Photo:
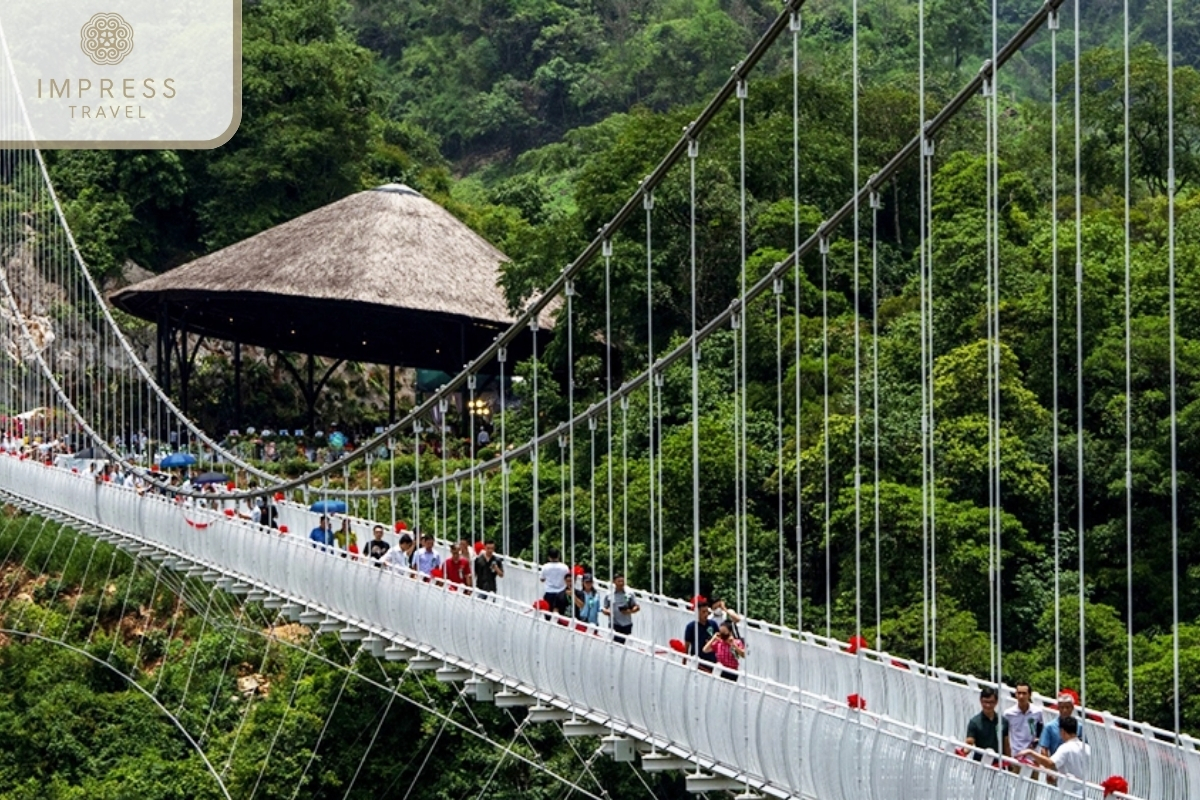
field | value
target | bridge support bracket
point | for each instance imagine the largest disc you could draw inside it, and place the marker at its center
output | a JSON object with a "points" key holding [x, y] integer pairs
{"points": [[573, 728], [451, 674], [484, 690], [699, 783], [541, 713], [513, 700], [619, 748], [664, 762]]}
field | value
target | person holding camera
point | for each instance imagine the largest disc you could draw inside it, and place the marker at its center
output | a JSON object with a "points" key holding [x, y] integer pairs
{"points": [[488, 567], [620, 606], [727, 649]]}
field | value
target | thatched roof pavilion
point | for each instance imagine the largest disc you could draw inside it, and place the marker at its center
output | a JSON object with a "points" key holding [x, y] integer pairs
{"points": [[384, 276]]}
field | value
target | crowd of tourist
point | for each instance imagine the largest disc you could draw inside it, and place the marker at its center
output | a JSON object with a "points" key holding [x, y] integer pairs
{"points": [[1057, 747]]}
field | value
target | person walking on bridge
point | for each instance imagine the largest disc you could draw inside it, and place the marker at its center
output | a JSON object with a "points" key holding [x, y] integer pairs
{"points": [[620, 606], [554, 575], [696, 636], [322, 535], [488, 567], [426, 561]]}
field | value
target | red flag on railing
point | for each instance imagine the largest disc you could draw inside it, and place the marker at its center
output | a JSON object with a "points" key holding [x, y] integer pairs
{"points": [[283, 529], [541, 605], [678, 646], [856, 702], [279, 497], [229, 512], [400, 525], [1115, 783], [479, 547], [855, 643]]}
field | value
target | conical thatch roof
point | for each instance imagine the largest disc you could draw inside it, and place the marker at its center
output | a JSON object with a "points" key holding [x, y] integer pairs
{"points": [[384, 276]]}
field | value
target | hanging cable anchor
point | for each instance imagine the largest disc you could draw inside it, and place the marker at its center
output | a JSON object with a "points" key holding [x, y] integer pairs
{"points": [[648, 200], [502, 355], [794, 22], [743, 90], [569, 288], [1052, 20], [693, 147], [606, 248]]}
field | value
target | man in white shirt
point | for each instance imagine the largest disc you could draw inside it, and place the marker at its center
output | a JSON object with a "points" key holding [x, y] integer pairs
{"points": [[1071, 756], [1023, 723], [554, 574]]}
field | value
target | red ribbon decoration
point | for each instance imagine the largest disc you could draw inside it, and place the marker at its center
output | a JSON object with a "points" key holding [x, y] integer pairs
{"points": [[229, 512], [283, 528], [400, 525], [856, 702], [541, 605], [678, 646], [278, 497], [479, 547]]}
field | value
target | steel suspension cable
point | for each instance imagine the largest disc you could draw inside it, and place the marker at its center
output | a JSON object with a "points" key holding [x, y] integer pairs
{"points": [[648, 205], [1079, 466], [778, 290], [693, 154], [825, 427], [1053, 23], [1171, 337], [794, 25], [1128, 372], [740, 329], [876, 204], [607, 250]]}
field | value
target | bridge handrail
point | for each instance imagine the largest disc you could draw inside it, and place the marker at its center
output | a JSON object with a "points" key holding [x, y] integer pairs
{"points": [[785, 633], [290, 567]]}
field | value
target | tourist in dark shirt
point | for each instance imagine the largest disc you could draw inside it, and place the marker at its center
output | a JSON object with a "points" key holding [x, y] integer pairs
{"points": [[987, 728], [708, 629], [488, 567], [377, 548]]}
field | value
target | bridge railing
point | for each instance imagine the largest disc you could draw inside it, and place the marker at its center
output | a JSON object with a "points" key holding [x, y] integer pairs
{"points": [[930, 698], [771, 735]]}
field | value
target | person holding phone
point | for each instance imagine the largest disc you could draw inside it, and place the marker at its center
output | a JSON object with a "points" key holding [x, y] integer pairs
{"points": [[727, 649]]}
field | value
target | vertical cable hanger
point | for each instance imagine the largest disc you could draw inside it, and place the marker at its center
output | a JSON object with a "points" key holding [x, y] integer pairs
{"points": [[1079, 468], [777, 290], [656, 378], [739, 347], [502, 358], [824, 247], [471, 408], [536, 457], [1128, 373], [794, 26], [607, 250], [876, 204], [693, 154], [1052, 21], [1172, 342]]}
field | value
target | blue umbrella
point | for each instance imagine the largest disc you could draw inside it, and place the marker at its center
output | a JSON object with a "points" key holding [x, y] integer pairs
{"points": [[328, 507], [177, 460]]}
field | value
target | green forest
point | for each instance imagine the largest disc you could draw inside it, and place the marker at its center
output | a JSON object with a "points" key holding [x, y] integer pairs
{"points": [[532, 121]]}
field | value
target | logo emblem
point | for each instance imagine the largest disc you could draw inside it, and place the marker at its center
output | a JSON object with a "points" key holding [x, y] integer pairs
{"points": [[106, 39]]}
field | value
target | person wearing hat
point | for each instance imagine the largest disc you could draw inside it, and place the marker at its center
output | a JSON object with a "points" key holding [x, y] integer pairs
{"points": [[1070, 756], [699, 631], [1051, 738], [587, 601]]}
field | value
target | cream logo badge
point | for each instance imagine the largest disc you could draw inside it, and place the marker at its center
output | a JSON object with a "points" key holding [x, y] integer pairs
{"points": [[106, 39], [120, 73]]}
